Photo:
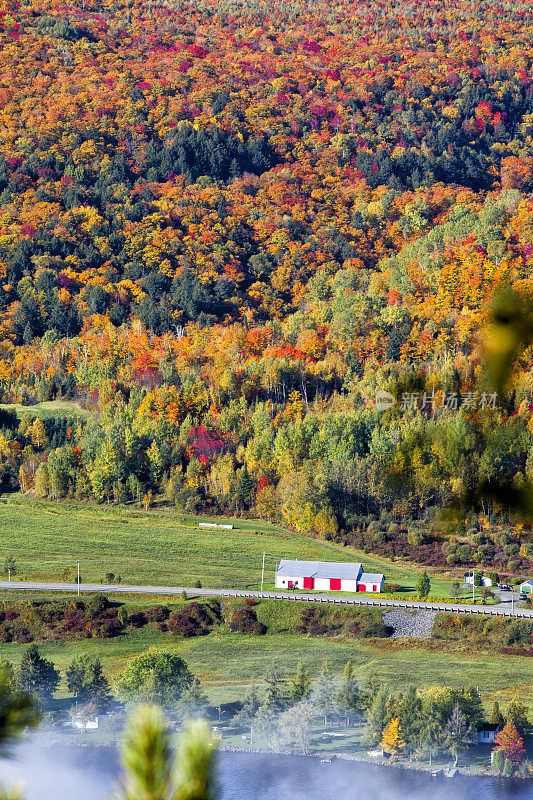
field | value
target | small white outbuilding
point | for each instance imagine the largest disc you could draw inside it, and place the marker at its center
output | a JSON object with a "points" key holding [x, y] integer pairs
{"points": [[371, 582], [84, 723]]}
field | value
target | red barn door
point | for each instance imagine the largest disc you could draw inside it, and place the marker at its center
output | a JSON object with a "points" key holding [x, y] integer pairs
{"points": [[335, 583], [309, 583]]}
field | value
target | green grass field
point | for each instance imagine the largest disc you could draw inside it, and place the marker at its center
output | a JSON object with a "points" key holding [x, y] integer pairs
{"points": [[227, 663], [48, 408], [160, 546]]}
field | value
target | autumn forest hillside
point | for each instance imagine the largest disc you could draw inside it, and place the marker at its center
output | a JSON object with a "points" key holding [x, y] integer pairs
{"points": [[224, 226]]}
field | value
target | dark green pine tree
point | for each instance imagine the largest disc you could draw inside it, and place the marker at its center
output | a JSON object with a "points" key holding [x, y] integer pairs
{"points": [[27, 336], [87, 682], [245, 487], [274, 698], [250, 707], [377, 717], [349, 699], [496, 716], [411, 717], [97, 686], [37, 675], [189, 295], [301, 684], [75, 673]]}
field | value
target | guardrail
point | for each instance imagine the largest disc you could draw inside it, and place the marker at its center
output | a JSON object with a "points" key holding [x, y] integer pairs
{"points": [[449, 608], [444, 607], [343, 600]]}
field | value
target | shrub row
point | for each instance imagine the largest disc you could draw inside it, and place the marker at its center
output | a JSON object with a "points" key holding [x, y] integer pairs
{"points": [[98, 618]]}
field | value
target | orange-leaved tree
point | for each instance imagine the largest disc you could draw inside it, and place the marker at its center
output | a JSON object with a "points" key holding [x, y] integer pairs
{"points": [[512, 744]]}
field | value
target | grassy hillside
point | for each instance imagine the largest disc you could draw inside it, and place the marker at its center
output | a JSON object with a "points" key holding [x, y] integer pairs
{"points": [[49, 408], [160, 547], [227, 662]]}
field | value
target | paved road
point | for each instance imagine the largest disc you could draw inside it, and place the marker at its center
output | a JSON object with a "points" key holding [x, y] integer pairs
{"points": [[504, 608]]}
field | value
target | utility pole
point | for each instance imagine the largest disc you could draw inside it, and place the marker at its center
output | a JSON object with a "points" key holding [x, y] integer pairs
{"points": [[473, 587], [263, 572], [512, 603], [78, 577], [9, 574]]}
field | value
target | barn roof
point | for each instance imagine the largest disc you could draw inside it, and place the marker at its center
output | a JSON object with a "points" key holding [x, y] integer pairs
{"points": [[371, 577], [318, 569]]}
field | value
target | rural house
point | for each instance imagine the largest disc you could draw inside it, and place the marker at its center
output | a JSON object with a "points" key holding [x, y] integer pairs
{"points": [[486, 733], [469, 579], [527, 587], [326, 576]]}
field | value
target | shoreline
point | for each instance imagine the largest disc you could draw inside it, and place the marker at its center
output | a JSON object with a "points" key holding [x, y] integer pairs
{"points": [[402, 765], [326, 757]]}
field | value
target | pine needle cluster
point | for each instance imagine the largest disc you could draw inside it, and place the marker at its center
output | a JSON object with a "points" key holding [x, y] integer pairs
{"points": [[151, 772]]}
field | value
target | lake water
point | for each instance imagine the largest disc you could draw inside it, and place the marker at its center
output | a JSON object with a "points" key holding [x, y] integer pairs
{"points": [[91, 773]]}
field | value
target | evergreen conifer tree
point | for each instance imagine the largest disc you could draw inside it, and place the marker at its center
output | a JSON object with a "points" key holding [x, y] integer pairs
{"points": [[348, 700], [245, 487], [324, 692], [250, 707], [377, 716], [97, 686], [423, 587], [301, 684], [37, 675], [496, 716]]}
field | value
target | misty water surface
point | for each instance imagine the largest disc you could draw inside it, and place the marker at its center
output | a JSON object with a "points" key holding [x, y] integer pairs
{"points": [[91, 773]]}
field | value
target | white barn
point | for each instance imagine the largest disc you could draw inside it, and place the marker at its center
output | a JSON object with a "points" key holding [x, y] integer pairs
{"points": [[326, 576]]}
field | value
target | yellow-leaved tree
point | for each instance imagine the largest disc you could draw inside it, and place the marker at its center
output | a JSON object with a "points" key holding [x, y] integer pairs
{"points": [[392, 741]]}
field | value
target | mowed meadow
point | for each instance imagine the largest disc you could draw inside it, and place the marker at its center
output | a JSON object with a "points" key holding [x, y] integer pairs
{"points": [[147, 547], [164, 547]]}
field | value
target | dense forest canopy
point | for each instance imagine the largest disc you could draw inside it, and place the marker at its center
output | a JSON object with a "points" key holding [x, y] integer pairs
{"points": [[225, 226]]}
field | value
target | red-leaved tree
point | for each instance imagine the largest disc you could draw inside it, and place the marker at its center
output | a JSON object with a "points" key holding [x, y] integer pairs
{"points": [[512, 744]]}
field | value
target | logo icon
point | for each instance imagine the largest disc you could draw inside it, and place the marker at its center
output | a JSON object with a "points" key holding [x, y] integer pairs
{"points": [[384, 400]]}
